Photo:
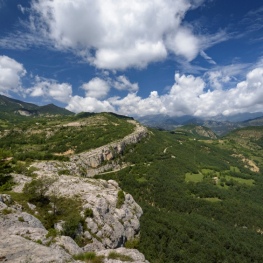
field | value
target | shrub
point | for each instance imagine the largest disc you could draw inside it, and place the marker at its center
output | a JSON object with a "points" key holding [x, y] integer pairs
{"points": [[21, 219], [88, 212], [64, 172], [6, 211], [115, 255], [51, 233], [89, 257], [133, 243], [37, 188], [121, 199], [72, 225]]}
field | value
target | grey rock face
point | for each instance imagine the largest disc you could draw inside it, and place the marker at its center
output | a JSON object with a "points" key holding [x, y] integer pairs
{"points": [[93, 159], [6, 199], [22, 236], [134, 254], [91, 163], [16, 249], [68, 244], [109, 225]]}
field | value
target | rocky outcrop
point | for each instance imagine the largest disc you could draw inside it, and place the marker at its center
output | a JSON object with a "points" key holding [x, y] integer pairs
{"points": [[106, 228], [23, 237], [91, 160], [204, 132], [110, 225], [96, 161], [134, 254]]}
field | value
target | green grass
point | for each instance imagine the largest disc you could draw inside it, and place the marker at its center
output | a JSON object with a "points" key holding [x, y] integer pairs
{"points": [[90, 257], [234, 169], [118, 256], [225, 179], [249, 182], [142, 180], [195, 178], [209, 172]]}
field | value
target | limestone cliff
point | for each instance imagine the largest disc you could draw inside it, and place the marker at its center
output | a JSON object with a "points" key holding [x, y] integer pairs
{"points": [[98, 160], [24, 238], [91, 160]]}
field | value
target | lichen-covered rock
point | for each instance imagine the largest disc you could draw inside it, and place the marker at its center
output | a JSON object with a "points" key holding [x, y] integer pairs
{"points": [[16, 222], [6, 199], [23, 237], [68, 244], [108, 225], [17, 249]]}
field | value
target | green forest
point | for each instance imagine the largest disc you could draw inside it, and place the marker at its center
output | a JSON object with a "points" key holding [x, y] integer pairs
{"points": [[201, 198], [201, 202]]}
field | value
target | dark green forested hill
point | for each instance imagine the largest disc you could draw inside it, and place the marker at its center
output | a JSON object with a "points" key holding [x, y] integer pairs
{"points": [[202, 199], [15, 111]]}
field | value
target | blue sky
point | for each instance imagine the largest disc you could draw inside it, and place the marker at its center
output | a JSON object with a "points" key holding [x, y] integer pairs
{"points": [[175, 57]]}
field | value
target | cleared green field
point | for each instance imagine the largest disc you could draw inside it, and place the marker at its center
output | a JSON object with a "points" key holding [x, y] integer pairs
{"points": [[234, 169], [249, 182], [221, 181], [190, 177]]}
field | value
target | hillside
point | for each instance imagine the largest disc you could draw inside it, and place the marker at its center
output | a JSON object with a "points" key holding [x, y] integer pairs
{"points": [[48, 207], [195, 131], [58, 138], [15, 110], [201, 196]]}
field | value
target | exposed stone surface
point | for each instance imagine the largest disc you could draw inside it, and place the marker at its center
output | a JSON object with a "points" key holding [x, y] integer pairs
{"points": [[134, 254], [92, 162], [69, 245], [16, 249], [23, 239], [22, 235], [205, 132], [20, 180], [112, 225], [93, 159]]}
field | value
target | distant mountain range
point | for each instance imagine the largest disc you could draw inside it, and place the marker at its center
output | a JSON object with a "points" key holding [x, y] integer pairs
{"points": [[9, 106], [220, 125]]}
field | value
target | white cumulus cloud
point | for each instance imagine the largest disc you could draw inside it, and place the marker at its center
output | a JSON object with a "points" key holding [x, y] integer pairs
{"points": [[122, 83], [50, 89], [96, 88], [123, 34], [11, 73], [189, 95], [78, 104]]}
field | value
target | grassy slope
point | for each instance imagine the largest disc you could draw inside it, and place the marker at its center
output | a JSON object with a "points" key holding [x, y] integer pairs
{"points": [[45, 138]]}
